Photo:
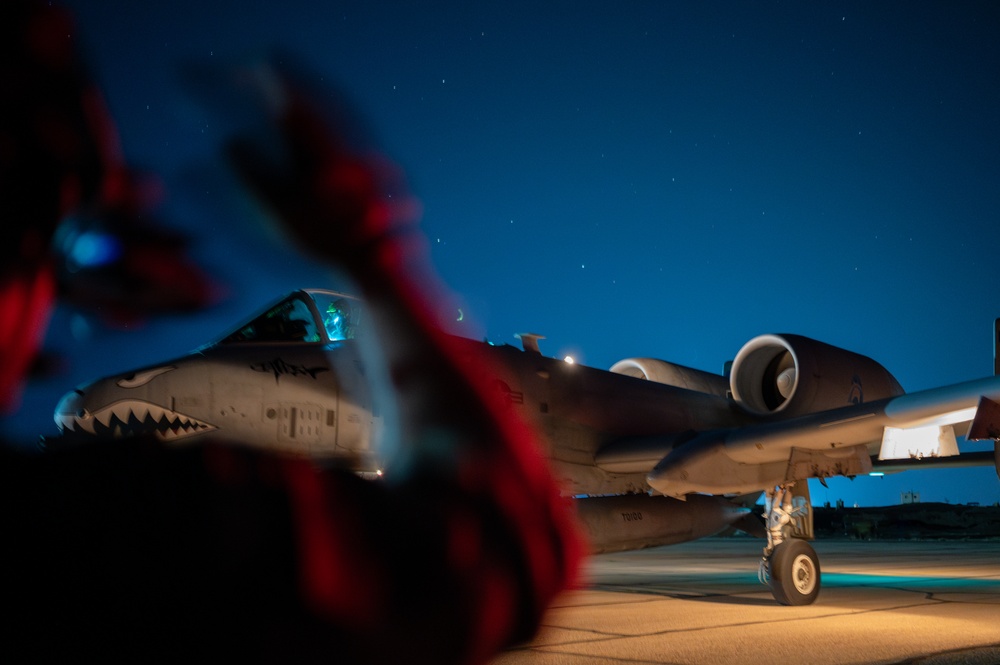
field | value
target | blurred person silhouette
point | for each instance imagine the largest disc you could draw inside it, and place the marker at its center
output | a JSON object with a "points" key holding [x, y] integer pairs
{"points": [[133, 549], [75, 216], [457, 454], [56, 153]]}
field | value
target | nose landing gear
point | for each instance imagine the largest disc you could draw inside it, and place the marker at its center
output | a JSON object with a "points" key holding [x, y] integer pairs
{"points": [[789, 566]]}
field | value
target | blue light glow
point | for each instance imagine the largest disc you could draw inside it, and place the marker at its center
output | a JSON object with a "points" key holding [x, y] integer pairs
{"points": [[92, 249]]}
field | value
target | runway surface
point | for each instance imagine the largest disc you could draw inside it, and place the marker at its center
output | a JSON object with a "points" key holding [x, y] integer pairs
{"points": [[926, 603]]}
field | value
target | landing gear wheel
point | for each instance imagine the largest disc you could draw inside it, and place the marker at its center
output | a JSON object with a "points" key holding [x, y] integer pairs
{"points": [[794, 573]]}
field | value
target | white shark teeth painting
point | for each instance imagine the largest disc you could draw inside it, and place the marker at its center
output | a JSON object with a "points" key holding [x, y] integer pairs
{"points": [[127, 418]]}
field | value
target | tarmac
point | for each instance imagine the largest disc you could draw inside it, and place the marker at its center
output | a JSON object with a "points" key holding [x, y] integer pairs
{"points": [[913, 602]]}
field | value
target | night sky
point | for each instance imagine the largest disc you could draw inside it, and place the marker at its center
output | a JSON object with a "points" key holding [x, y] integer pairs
{"points": [[626, 178]]}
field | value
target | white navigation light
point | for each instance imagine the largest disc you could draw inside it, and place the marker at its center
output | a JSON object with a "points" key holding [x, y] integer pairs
{"points": [[918, 442]]}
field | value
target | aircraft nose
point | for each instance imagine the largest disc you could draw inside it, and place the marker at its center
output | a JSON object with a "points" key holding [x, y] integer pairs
{"points": [[71, 415]]}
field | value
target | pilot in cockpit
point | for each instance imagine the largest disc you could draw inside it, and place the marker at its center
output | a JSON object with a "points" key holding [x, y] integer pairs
{"points": [[339, 320]]}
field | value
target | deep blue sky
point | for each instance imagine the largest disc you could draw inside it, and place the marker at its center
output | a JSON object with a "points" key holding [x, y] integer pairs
{"points": [[626, 178]]}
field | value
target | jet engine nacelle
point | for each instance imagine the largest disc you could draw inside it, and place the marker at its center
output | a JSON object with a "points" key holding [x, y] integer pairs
{"points": [[661, 371], [792, 375]]}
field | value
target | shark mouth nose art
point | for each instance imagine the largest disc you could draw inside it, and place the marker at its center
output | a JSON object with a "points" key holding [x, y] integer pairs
{"points": [[132, 418]]}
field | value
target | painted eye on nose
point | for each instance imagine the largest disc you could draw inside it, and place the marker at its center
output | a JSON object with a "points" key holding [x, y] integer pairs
{"points": [[137, 379]]}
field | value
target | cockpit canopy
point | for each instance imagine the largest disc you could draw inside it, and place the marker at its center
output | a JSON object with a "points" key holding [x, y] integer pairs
{"points": [[310, 316]]}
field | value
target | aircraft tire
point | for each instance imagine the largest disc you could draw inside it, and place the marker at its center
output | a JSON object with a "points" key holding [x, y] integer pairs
{"points": [[794, 573]]}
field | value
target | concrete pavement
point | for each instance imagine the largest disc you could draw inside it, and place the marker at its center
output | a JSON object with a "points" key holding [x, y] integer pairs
{"points": [[927, 603]]}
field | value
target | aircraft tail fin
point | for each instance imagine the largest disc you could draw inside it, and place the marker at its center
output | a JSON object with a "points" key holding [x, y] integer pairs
{"points": [[996, 346], [996, 372]]}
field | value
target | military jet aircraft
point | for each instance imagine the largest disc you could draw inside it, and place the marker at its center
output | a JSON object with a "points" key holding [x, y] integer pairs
{"points": [[656, 453]]}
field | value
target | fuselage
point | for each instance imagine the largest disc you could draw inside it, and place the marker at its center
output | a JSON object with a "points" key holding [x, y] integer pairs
{"points": [[579, 410], [294, 380], [314, 399]]}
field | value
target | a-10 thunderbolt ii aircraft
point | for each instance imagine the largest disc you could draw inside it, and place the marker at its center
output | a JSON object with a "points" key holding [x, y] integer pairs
{"points": [[655, 453]]}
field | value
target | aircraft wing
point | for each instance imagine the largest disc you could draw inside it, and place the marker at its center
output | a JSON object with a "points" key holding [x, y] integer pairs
{"points": [[827, 443]]}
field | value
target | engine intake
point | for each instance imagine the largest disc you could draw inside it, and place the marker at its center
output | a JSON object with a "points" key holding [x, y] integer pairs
{"points": [[672, 374], [793, 375]]}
